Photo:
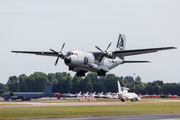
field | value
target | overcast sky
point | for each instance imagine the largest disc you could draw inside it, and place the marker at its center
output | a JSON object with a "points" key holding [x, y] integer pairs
{"points": [[38, 25]]}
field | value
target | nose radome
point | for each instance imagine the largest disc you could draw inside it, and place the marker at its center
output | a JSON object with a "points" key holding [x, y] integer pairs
{"points": [[67, 60]]}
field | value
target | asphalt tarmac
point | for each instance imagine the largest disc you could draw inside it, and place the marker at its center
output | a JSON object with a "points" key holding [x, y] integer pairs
{"points": [[172, 116], [54, 102]]}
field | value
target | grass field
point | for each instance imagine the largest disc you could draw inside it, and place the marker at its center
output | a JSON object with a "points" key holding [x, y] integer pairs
{"points": [[131, 108]]}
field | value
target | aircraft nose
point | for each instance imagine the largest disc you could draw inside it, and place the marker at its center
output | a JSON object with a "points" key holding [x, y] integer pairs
{"points": [[67, 60]]}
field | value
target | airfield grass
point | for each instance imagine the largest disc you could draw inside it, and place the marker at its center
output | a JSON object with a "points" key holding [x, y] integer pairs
{"points": [[130, 108], [13, 104]]}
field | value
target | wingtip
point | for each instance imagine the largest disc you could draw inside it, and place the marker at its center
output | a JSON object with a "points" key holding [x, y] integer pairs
{"points": [[136, 62], [13, 51]]}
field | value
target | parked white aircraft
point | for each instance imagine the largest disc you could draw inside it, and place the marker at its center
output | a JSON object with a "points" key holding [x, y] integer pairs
{"points": [[93, 94], [97, 62], [112, 96], [78, 94], [86, 94], [100, 95], [70, 95], [115, 96], [124, 95], [107, 95]]}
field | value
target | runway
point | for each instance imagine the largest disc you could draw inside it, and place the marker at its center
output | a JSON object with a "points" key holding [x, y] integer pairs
{"points": [[54, 102], [172, 116], [35, 104]]}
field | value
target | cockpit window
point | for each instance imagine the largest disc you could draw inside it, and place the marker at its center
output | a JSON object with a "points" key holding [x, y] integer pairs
{"points": [[70, 53]]}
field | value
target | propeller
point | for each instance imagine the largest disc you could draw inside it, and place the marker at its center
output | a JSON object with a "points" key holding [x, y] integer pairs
{"points": [[105, 53], [60, 54]]}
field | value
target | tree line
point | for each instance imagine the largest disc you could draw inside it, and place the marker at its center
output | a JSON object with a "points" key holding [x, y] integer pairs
{"points": [[65, 83]]}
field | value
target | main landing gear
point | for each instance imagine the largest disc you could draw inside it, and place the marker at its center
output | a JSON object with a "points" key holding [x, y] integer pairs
{"points": [[101, 73], [80, 73], [133, 100]]}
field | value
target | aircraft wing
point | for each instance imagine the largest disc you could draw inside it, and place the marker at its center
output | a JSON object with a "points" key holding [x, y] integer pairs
{"points": [[37, 53], [139, 51], [99, 54], [132, 52]]}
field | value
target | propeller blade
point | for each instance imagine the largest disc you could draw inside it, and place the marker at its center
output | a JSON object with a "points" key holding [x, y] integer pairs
{"points": [[62, 48], [104, 52], [108, 47], [53, 51], [57, 60], [101, 58], [99, 49], [60, 54]]}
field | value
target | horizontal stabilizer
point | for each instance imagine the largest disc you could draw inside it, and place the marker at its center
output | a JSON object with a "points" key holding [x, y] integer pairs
{"points": [[136, 62]]}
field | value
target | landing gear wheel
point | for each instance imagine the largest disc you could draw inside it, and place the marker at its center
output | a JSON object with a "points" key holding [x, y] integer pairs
{"points": [[101, 73], [122, 100], [71, 68], [80, 74]]}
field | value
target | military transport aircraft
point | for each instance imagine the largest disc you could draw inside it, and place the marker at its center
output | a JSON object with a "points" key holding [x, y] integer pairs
{"points": [[27, 96], [97, 62]]}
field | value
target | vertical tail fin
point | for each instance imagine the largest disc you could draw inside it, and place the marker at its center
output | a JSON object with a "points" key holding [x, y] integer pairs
{"points": [[101, 93], [119, 87], [121, 44], [48, 88], [79, 93]]}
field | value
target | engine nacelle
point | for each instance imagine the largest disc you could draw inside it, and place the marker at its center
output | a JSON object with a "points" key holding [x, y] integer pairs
{"points": [[99, 67], [14, 97], [110, 54], [138, 98], [123, 99]]}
